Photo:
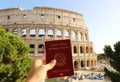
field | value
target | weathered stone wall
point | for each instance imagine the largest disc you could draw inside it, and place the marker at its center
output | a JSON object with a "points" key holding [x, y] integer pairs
{"points": [[44, 23]]}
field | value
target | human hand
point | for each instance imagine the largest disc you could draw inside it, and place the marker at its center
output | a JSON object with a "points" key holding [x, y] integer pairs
{"points": [[39, 69]]}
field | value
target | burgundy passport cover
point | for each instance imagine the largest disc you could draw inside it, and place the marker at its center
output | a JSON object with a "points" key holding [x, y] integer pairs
{"points": [[61, 51]]}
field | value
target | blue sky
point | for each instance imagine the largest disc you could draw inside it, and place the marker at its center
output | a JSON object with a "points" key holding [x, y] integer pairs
{"points": [[102, 17]]}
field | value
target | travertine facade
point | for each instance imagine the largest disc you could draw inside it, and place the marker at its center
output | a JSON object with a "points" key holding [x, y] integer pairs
{"points": [[44, 23]]}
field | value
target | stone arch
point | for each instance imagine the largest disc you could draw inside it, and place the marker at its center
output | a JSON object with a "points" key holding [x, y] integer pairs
{"points": [[74, 35], [50, 33], [81, 49], [67, 34], [75, 64], [41, 33], [79, 36], [82, 63], [42, 16], [32, 32], [24, 32], [59, 33], [40, 48], [32, 47], [75, 49], [24, 16], [87, 49], [48, 21], [15, 31]]}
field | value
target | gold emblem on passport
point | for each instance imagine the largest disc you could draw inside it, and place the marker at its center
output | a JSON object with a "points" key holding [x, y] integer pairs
{"points": [[61, 59]]}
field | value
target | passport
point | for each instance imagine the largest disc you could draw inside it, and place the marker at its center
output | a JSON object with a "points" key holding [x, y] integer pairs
{"points": [[61, 51]]}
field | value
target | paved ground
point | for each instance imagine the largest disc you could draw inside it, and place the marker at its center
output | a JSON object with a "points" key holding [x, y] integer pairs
{"points": [[91, 80], [88, 80]]}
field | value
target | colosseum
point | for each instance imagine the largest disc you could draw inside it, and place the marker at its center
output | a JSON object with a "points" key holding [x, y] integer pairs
{"points": [[44, 23]]}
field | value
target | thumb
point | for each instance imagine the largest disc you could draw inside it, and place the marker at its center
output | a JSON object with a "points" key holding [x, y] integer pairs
{"points": [[51, 64]]}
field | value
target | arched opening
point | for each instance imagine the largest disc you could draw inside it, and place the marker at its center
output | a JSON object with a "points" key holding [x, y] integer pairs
{"points": [[75, 64], [8, 17], [73, 35], [82, 64], [32, 47], [67, 35], [42, 16], [86, 36], [75, 49], [41, 48], [24, 16], [81, 49], [15, 31], [87, 51], [50, 33], [41, 33], [24, 32], [59, 33], [32, 33]]}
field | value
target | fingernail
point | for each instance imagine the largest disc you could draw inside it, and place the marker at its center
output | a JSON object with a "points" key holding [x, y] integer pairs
{"points": [[54, 61]]}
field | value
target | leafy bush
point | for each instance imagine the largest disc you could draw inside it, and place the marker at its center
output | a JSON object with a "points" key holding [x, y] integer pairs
{"points": [[14, 59]]}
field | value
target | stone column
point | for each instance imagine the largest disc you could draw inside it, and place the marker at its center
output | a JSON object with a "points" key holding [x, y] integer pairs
{"points": [[88, 49], [90, 62], [87, 37], [94, 63], [73, 64], [63, 33], [84, 49], [78, 49], [46, 33], [79, 64], [85, 63], [82, 36], [54, 35], [37, 33], [70, 34], [19, 32], [77, 35], [36, 48], [27, 33], [72, 50]]}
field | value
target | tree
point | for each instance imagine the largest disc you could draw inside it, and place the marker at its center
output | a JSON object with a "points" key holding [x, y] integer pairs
{"points": [[114, 59], [101, 56], [14, 59]]}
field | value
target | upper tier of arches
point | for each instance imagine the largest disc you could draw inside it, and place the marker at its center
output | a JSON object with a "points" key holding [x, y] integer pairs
{"points": [[51, 33], [42, 15]]}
